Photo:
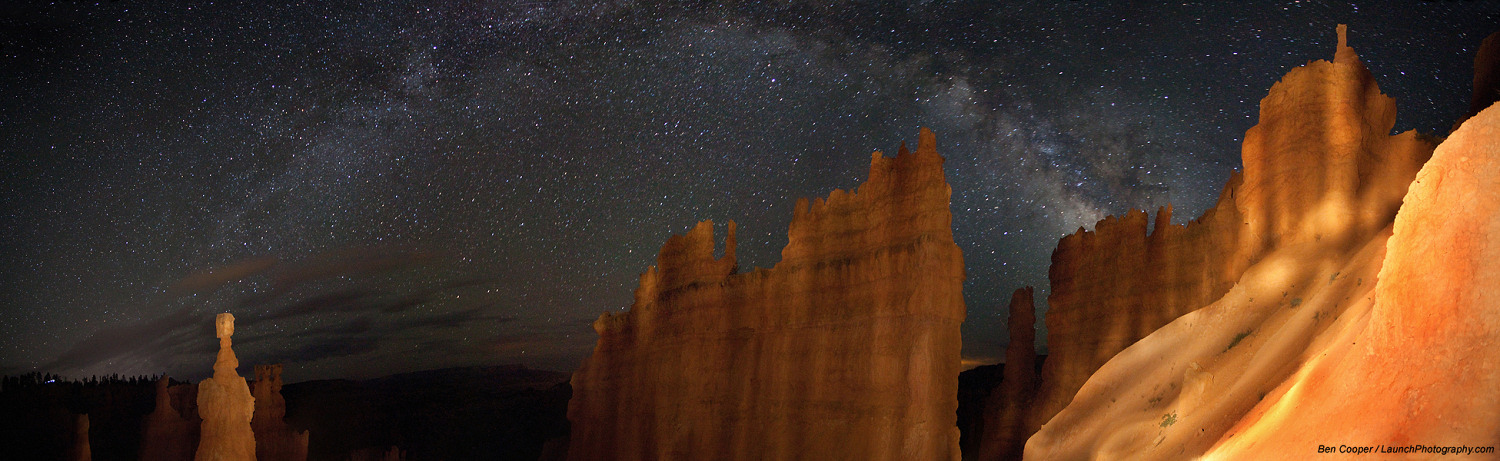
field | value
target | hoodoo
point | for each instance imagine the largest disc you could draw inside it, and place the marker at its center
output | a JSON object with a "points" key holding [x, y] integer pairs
{"points": [[225, 404], [1007, 409]]}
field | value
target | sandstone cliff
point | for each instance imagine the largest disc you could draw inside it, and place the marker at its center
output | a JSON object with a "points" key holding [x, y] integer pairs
{"points": [[274, 441], [1388, 347], [1324, 341], [225, 404], [847, 349], [1420, 366], [1319, 169]]}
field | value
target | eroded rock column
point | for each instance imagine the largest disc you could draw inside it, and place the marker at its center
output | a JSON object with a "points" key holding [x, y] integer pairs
{"points": [[225, 404]]}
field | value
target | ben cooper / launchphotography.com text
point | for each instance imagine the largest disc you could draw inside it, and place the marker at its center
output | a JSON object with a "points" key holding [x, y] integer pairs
{"points": [[1426, 449]]}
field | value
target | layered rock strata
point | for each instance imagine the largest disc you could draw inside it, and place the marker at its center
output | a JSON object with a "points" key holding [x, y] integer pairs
{"points": [[1379, 338], [274, 441], [1382, 350], [1320, 169], [847, 349], [1420, 366], [225, 404]]}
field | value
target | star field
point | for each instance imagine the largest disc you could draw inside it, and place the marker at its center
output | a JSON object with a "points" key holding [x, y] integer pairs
{"points": [[382, 188]]}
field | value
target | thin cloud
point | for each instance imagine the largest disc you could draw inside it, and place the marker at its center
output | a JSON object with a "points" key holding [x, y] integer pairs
{"points": [[213, 278], [145, 341]]}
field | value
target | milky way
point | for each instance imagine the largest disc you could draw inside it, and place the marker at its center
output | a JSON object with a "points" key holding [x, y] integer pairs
{"points": [[373, 189]]}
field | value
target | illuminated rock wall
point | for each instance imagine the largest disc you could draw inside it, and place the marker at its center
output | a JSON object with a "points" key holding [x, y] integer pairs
{"points": [[848, 349], [1422, 366], [1366, 338], [1320, 171]]}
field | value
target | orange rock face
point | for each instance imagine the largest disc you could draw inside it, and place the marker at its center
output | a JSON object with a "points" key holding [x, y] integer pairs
{"points": [[847, 349], [1423, 367], [1319, 169], [1356, 344], [165, 434], [225, 404], [274, 441]]}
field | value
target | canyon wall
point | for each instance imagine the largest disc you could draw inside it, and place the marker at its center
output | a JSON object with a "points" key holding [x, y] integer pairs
{"points": [[1386, 347], [1421, 367], [1320, 171], [848, 348]]}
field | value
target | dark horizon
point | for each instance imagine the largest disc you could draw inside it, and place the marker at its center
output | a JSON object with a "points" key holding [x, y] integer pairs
{"points": [[379, 189]]}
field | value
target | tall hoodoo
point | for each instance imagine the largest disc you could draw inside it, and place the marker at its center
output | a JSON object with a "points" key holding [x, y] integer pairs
{"points": [[847, 349], [1007, 410], [225, 404], [1320, 170]]}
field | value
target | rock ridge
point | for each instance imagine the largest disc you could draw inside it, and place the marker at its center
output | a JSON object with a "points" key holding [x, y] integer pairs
{"points": [[848, 348]]}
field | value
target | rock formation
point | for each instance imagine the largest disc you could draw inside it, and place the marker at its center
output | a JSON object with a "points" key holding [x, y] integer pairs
{"points": [[1006, 417], [274, 441], [1389, 347], [1380, 338], [1319, 169], [1421, 366], [80, 450], [225, 404], [165, 434], [847, 349], [1486, 77]]}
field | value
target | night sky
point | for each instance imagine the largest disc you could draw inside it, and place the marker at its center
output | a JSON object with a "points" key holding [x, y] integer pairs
{"points": [[378, 189]]}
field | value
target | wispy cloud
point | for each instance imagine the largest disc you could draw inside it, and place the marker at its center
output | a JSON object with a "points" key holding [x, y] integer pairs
{"points": [[349, 317]]}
